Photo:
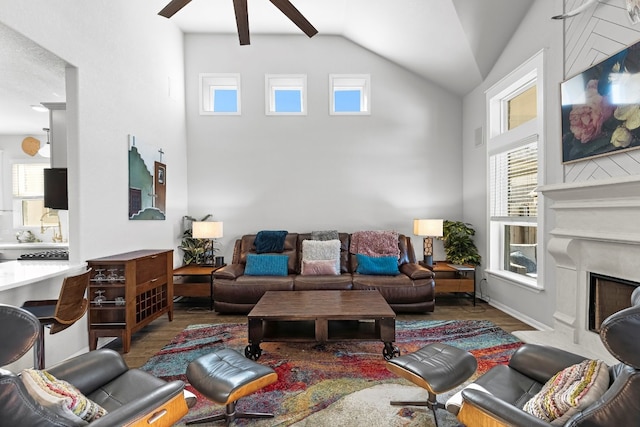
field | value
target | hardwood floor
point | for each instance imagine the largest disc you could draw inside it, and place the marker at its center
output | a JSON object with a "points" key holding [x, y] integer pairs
{"points": [[191, 311]]}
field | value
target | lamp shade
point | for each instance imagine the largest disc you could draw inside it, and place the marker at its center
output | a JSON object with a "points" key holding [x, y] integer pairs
{"points": [[428, 227], [207, 229], [45, 150]]}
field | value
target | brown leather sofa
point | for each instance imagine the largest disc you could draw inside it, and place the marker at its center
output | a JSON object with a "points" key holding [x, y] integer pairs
{"points": [[410, 291]]}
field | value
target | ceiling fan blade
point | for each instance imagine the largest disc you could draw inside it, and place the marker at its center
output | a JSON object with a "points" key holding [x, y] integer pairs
{"points": [[173, 7], [295, 16], [242, 20]]}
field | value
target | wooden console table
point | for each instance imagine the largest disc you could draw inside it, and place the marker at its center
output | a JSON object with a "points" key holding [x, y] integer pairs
{"points": [[454, 278], [127, 292]]}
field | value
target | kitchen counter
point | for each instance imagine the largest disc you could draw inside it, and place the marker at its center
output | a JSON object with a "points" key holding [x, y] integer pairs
{"points": [[34, 245], [14, 274], [12, 250]]}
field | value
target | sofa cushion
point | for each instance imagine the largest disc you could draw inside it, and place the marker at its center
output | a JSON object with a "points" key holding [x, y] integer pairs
{"points": [[569, 391], [61, 397], [341, 282], [396, 289], [378, 266], [270, 241], [319, 267], [266, 265], [249, 289], [314, 250]]}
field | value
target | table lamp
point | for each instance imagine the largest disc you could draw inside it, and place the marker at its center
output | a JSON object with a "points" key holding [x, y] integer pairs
{"points": [[207, 230], [428, 228]]}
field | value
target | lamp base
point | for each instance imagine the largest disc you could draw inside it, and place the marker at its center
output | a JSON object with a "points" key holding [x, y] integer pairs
{"points": [[428, 250]]}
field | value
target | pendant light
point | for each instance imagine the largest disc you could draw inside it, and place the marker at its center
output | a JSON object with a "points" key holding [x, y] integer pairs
{"points": [[45, 150]]}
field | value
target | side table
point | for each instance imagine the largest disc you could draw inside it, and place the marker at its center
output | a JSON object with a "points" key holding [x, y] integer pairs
{"points": [[194, 280], [454, 278]]}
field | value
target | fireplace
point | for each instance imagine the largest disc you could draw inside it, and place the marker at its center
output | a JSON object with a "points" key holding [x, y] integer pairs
{"points": [[607, 295], [595, 230]]}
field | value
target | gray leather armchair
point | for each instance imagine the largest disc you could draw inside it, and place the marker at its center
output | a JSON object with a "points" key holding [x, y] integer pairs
{"points": [[131, 397], [509, 387]]}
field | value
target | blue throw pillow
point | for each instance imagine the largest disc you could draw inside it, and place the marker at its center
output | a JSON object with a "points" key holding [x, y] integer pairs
{"points": [[270, 241], [266, 265], [382, 266]]}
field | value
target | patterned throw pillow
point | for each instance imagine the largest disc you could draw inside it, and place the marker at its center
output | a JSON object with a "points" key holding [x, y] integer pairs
{"points": [[61, 397], [569, 391], [267, 265], [379, 266]]}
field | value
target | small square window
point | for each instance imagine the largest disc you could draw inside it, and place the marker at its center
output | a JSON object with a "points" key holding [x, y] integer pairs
{"points": [[219, 94], [288, 101], [347, 101], [349, 94], [225, 100], [285, 94]]}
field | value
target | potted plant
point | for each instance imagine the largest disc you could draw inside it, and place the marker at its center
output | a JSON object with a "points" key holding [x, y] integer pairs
{"points": [[458, 243], [196, 251]]}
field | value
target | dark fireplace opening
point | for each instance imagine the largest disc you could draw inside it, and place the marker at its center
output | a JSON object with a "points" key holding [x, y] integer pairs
{"points": [[607, 295]]}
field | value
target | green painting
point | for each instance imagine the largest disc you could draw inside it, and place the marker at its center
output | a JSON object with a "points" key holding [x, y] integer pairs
{"points": [[147, 181]]}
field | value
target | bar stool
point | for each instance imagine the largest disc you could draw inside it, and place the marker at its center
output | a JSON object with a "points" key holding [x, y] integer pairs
{"points": [[59, 314]]}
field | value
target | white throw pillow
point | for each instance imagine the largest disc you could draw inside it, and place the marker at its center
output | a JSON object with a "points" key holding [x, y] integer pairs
{"points": [[318, 250]]}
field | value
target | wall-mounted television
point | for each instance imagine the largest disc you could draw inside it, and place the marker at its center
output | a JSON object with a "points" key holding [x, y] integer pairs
{"points": [[55, 188], [601, 108]]}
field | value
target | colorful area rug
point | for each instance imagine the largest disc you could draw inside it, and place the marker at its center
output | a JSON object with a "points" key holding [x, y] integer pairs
{"points": [[335, 384]]}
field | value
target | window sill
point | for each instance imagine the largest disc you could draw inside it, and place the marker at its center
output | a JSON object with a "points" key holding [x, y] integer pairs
{"points": [[527, 283]]}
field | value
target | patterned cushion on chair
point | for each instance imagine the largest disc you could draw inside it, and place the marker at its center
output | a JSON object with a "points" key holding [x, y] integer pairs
{"points": [[61, 397], [569, 391]]}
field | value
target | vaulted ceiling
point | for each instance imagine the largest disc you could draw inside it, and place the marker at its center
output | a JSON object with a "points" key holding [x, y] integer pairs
{"points": [[453, 43]]}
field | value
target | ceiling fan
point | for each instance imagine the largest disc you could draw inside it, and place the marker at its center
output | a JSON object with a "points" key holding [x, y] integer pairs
{"points": [[242, 16]]}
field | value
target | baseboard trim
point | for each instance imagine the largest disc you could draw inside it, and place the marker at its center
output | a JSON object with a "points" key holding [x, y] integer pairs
{"points": [[521, 317]]}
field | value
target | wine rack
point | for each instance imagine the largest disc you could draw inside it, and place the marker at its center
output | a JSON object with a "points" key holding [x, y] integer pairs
{"points": [[128, 291]]}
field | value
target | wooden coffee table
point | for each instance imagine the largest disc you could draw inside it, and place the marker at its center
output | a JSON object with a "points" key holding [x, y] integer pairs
{"points": [[321, 316]]}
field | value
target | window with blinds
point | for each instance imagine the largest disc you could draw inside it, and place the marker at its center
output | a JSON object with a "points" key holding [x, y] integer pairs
{"points": [[515, 141], [28, 196], [28, 179], [514, 181]]}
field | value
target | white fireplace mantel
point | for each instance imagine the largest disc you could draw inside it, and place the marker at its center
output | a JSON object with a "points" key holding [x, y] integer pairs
{"points": [[596, 230]]}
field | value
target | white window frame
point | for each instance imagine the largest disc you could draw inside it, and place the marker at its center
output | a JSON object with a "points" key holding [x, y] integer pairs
{"points": [[274, 82], [17, 202], [361, 82], [209, 82], [499, 139]]}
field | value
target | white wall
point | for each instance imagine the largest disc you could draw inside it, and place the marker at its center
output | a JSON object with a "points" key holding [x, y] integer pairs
{"points": [[304, 173], [122, 56], [536, 32]]}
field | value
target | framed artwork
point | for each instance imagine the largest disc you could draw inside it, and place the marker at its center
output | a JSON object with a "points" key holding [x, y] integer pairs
{"points": [[601, 108], [147, 181]]}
